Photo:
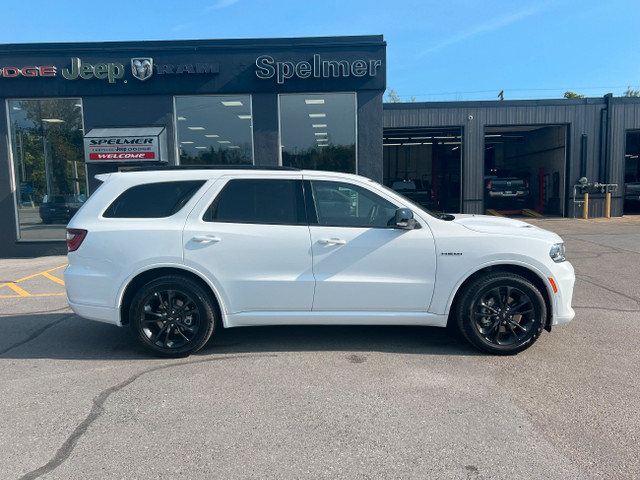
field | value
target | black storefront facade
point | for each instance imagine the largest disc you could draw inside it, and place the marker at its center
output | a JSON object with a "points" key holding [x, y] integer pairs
{"points": [[76, 110]]}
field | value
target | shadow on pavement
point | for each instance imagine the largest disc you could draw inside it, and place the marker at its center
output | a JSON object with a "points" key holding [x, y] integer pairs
{"points": [[67, 336]]}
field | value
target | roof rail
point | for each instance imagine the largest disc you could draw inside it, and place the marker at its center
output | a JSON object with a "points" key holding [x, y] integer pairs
{"points": [[208, 167]]}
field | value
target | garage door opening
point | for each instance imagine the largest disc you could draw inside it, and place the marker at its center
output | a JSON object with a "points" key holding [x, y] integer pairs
{"points": [[524, 169], [425, 165], [632, 174]]}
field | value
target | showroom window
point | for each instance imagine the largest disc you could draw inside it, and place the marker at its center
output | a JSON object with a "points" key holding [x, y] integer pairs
{"points": [[214, 130], [48, 159], [318, 131]]}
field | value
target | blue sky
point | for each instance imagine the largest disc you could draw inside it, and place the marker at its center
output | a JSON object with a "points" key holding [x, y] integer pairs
{"points": [[436, 51]]}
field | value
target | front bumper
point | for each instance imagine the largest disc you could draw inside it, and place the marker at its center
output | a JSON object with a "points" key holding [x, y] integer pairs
{"points": [[564, 278]]}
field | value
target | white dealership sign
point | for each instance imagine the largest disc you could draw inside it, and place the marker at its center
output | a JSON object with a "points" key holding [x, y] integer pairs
{"points": [[125, 145]]}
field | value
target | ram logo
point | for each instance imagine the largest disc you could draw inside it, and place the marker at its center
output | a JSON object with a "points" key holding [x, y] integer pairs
{"points": [[142, 68]]}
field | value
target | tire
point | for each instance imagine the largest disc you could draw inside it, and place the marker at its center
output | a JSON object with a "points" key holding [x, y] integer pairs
{"points": [[172, 316], [501, 313]]}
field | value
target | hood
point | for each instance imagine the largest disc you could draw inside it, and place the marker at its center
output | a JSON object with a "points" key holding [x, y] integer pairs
{"points": [[504, 226]]}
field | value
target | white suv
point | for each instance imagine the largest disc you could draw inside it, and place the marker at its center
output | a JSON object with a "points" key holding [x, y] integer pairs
{"points": [[177, 252]]}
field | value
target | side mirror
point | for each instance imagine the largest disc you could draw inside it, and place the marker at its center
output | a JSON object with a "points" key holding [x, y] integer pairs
{"points": [[404, 219]]}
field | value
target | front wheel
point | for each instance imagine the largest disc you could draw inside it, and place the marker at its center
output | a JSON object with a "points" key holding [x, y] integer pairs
{"points": [[172, 316], [501, 313]]}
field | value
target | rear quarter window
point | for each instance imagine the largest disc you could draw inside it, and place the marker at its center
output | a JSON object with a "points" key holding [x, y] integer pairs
{"points": [[153, 200]]}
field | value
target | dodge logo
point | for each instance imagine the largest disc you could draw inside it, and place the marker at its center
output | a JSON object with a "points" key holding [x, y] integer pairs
{"points": [[142, 68]]}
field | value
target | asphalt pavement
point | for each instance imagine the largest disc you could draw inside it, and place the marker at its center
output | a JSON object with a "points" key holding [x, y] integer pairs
{"points": [[82, 401]]}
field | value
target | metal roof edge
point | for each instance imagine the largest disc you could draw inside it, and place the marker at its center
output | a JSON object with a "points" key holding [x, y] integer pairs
{"points": [[354, 40], [161, 168], [498, 103]]}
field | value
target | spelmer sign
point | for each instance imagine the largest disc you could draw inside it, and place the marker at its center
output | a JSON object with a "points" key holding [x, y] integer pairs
{"points": [[318, 67], [103, 145]]}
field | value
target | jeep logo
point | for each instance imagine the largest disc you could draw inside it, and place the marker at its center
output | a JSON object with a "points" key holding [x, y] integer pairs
{"points": [[86, 71]]}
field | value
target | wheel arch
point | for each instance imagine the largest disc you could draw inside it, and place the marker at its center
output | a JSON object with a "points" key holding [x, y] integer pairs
{"points": [[523, 271], [146, 276]]}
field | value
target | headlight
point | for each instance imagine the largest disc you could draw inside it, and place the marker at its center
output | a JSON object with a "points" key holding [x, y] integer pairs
{"points": [[557, 253]]}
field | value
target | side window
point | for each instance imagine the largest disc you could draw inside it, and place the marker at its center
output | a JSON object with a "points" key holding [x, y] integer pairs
{"points": [[153, 200], [345, 205], [266, 201]]}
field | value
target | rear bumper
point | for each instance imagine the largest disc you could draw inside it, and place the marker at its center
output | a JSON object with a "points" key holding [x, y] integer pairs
{"points": [[90, 290], [98, 313], [516, 194]]}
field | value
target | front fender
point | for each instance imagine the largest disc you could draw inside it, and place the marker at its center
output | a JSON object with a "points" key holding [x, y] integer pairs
{"points": [[447, 288]]}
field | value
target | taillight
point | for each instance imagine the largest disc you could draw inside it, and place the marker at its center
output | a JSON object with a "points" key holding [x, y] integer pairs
{"points": [[75, 238]]}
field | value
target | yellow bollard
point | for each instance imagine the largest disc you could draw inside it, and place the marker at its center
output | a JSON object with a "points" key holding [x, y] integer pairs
{"points": [[585, 207], [608, 204]]}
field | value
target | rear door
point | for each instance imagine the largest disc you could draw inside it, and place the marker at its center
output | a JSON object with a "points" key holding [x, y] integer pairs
{"points": [[250, 236]]}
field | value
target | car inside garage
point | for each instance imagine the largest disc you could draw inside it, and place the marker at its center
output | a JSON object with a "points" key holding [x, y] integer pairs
{"points": [[524, 169], [632, 174], [424, 165]]}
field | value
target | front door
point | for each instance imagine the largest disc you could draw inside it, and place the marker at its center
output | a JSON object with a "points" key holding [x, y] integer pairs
{"points": [[361, 261]]}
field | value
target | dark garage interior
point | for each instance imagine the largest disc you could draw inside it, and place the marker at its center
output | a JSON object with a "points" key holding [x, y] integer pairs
{"points": [[632, 174], [424, 164], [524, 169]]}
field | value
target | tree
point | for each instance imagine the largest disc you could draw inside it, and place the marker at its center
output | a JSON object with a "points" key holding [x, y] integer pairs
{"points": [[570, 94], [50, 143], [629, 92], [393, 96]]}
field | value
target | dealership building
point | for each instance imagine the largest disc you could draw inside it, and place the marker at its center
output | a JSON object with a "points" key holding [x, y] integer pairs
{"points": [[79, 109]]}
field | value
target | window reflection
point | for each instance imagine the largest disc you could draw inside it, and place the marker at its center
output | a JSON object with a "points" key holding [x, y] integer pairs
{"points": [[318, 131], [214, 130], [340, 204], [49, 168]]}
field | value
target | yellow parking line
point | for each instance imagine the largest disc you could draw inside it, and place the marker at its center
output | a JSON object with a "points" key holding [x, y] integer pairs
{"points": [[493, 212], [51, 277], [35, 295], [531, 213], [8, 284], [56, 268], [21, 292]]}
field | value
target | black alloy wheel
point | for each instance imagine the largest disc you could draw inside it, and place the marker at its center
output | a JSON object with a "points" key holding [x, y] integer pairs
{"points": [[501, 313], [172, 316]]}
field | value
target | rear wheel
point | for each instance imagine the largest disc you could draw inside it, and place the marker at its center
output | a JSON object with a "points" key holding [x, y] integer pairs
{"points": [[172, 316], [501, 313]]}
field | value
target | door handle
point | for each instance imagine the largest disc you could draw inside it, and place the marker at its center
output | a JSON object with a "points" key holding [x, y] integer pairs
{"points": [[206, 239], [332, 241]]}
